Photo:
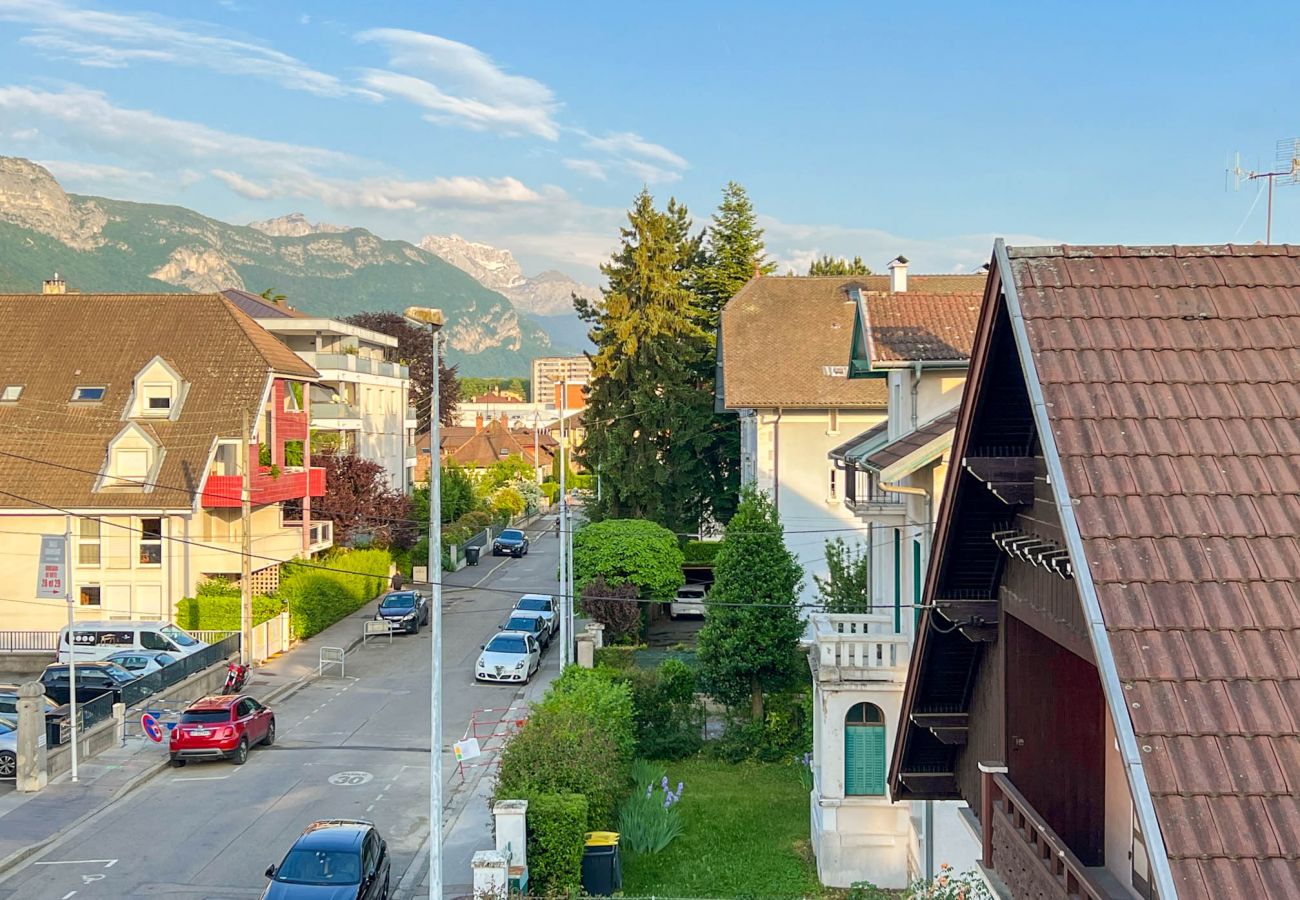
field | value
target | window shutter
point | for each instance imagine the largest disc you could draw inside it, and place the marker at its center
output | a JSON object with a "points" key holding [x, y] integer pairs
{"points": [[864, 761], [874, 760]]}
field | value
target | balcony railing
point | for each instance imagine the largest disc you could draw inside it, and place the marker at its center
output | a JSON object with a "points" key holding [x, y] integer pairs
{"points": [[1022, 847], [411, 414], [223, 490], [851, 647], [862, 493], [350, 362], [322, 412]]}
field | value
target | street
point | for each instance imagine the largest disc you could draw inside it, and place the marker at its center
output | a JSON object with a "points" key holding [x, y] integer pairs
{"points": [[347, 747]]}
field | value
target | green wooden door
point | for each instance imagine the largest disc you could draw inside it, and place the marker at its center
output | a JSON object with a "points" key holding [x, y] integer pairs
{"points": [[864, 760]]}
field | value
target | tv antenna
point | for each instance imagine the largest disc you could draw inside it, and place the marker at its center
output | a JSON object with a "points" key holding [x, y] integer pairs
{"points": [[1286, 170]]}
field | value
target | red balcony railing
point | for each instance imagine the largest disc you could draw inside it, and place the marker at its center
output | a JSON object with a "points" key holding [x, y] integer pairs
{"points": [[289, 484]]}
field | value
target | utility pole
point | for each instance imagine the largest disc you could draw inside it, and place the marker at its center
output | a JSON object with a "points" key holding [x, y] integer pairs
{"points": [[566, 599], [246, 556], [537, 457], [72, 637]]}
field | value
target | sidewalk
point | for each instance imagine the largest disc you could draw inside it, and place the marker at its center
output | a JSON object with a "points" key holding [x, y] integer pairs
{"points": [[30, 822]]}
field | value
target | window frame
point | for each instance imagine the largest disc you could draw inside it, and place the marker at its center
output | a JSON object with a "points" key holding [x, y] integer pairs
{"points": [[868, 738], [143, 543], [97, 542], [4, 393], [102, 389], [82, 594], [146, 406]]}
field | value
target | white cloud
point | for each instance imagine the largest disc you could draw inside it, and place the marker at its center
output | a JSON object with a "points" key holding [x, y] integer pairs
{"points": [[461, 85], [588, 167], [387, 194], [628, 152], [243, 186], [97, 38], [71, 172]]}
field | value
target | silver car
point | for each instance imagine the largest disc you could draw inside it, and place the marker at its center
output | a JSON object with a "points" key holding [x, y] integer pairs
{"points": [[142, 662], [8, 749], [688, 602]]}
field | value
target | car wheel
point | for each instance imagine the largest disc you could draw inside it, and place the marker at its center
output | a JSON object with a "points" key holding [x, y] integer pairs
{"points": [[240, 755], [178, 763], [8, 765], [270, 734]]}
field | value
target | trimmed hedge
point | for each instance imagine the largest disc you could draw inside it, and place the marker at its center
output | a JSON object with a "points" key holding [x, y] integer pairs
{"points": [[551, 490], [318, 597], [701, 553], [556, 825], [215, 607]]}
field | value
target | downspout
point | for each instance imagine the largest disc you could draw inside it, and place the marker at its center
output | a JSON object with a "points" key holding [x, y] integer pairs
{"points": [[916, 387], [776, 463]]}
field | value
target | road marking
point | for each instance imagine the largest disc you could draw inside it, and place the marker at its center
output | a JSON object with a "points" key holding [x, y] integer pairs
{"points": [[69, 894], [204, 778], [91, 879], [108, 863], [349, 779], [370, 807]]}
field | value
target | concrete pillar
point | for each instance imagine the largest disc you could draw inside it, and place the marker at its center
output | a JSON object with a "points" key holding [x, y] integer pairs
{"points": [[119, 716], [491, 876], [586, 651], [33, 768], [512, 831], [597, 632]]}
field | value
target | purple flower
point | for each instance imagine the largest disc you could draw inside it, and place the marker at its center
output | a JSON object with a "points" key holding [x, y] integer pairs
{"points": [[680, 785], [664, 784], [649, 789]]}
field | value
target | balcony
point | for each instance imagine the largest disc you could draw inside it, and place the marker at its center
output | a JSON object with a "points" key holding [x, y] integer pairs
{"points": [[224, 490], [412, 417], [1028, 855], [864, 496], [335, 417], [328, 364], [857, 648], [322, 533]]}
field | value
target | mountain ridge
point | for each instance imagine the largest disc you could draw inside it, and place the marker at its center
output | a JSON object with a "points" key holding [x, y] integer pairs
{"points": [[547, 294]]}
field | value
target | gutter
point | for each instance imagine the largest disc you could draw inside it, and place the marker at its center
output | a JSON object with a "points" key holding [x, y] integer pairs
{"points": [[1143, 805]]}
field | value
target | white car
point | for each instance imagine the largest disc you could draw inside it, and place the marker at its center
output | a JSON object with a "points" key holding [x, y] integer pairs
{"points": [[688, 602], [510, 656], [544, 605], [8, 749]]}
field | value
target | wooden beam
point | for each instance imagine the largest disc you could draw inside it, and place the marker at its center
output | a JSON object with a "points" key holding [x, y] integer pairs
{"points": [[1010, 478]]}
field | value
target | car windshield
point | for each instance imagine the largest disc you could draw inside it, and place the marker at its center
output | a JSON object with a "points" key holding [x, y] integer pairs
{"points": [[305, 866], [504, 643], [512, 535], [179, 637], [690, 592], [536, 604], [117, 673], [163, 659], [521, 624], [398, 601], [204, 716], [7, 725]]}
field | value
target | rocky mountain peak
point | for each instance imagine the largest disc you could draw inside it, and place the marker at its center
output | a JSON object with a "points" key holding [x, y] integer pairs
{"points": [[31, 198], [295, 225], [547, 294]]}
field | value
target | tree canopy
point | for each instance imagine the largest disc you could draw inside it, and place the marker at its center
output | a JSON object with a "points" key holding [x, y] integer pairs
{"points": [[634, 551], [415, 350], [360, 502], [830, 265], [847, 585]]}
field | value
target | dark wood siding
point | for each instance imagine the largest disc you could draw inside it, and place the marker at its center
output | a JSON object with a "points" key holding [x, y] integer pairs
{"points": [[985, 741], [1046, 601]]}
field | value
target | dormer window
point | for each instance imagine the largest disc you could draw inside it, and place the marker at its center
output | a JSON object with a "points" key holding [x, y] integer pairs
{"points": [[157, 392], [88, 393], [157, 400], [11, 393], [132, 462]]}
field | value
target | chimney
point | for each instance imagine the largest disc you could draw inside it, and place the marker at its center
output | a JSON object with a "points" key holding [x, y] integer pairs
{"points": [[55, 285], [898, 275], [478, 422], [505, 422]]}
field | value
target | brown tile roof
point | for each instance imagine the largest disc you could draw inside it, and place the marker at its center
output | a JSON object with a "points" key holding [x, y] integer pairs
{"points": [[781, 338], [494, 397], [891, 453], [494, 443], [51, 450], [1171, 377], [922, 326]]}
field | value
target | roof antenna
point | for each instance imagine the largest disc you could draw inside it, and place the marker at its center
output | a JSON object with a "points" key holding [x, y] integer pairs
{"points": [[1286, 167]]}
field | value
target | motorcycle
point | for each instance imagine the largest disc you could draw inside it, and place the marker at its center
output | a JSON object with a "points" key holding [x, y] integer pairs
{"points": [[236, 675]]}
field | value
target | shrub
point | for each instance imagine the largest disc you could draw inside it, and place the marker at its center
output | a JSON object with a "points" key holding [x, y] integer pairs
{"points": [[648, 822], [556, 824], [668, 722], [323, 593], [613, 605], [551, 490], [616, 658], [636, 551], [216, 607], [607, 702], [582, 482], [701, 552], [784, 732], [476, 519], [506, 502]]}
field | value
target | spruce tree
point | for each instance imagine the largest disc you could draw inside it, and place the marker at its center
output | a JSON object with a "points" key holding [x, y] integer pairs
{"points": [[733, 253], [830, 265]]}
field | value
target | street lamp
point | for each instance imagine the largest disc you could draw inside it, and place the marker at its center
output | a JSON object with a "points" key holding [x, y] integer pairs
{"points": [[423, 315]]}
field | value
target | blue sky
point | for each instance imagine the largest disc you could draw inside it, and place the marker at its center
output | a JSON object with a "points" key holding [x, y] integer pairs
{"points": [[858, 128]]}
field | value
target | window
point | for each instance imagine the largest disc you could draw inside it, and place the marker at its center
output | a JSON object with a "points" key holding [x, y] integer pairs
{"points": [[152, 640], [831, 491], [133, 464], [864, 751], [11, 393], [88, 543], [89, 595], [157, 400], [87, 394], [151, 542]]}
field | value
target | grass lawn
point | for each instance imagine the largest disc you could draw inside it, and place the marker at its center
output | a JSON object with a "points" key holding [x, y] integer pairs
{"points": [[746, 832]]}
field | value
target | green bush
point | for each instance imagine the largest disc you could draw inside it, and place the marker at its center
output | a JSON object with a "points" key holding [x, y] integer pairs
{"points": [[551, 490], [605, 701], [616, 657], [635, 551], [785, 732], [556, 825], [667, 719], [325, 592], [582, 482], [701, 553], [215, 607]]}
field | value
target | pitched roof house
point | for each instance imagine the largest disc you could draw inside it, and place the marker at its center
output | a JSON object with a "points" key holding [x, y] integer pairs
{"points": [[1108, 667]]}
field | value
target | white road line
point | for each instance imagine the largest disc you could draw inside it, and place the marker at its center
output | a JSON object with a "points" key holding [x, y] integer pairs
{"points": [[370, 807], [68, 894], [204, 778], [108, 863]]}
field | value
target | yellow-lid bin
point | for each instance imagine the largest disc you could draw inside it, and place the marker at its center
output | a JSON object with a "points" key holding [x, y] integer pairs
{"points": [[600, 838]]}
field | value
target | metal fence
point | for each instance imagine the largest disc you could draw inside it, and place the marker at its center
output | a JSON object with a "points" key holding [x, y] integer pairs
{"points": [[95, 711], [178, 671], [29, 641]]}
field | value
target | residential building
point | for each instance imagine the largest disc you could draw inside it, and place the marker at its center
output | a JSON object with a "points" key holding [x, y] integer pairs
{"points": [[362, 402], [486, 443], [913, 337], [120, 422], [549, 371], [1106, 668]]}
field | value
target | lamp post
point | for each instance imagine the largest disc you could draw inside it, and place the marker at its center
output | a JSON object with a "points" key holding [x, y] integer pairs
{"points": [[423, 315]]}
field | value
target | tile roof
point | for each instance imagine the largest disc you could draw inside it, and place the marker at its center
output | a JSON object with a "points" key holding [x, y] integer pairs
{"points": [[1172, 384], [51, 450], [494, 443], [870, 436], [922, 326], [261, 308], [785, 341], [909, 443]]}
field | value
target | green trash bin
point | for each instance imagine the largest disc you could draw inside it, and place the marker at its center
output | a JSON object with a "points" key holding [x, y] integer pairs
{"points": [[602, 869]]}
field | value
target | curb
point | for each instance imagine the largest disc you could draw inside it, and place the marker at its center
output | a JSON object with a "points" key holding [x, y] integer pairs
{"points": [[14, 859]]}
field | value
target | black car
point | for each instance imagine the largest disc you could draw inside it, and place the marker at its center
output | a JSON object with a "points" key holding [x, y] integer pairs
{"points": [[338, 859], [511, 542], [93, 679], [529, 623], [404, 611]]}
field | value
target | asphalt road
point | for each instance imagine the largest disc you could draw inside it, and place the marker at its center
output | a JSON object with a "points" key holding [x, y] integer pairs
{"points": [[346, 747]]}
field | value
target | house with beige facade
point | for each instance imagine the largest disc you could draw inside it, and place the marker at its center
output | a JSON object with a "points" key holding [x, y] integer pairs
{"points": [[121, 418]]}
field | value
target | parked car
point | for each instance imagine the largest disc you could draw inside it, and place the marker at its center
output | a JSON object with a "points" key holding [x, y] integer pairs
{"points": [[142, 662], [688, 602], [93, 680], [58, 722], [404, 610], [509, 656], [221, 727], [9, 702], [511, 542], [8, 749], [529, 623], [99, 640], [543, 604], [338, 859]]}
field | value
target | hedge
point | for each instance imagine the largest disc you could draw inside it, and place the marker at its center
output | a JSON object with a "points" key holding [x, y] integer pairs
{"points": [[551, 490], [556, 825], [215, 607], [326, 591], [701, 552]]}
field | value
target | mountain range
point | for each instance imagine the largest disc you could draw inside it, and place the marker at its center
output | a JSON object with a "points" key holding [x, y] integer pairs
{"points": [[106, 245]]}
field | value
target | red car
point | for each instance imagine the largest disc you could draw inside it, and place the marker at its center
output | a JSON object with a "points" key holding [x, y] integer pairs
{"points": [[224, 726]]}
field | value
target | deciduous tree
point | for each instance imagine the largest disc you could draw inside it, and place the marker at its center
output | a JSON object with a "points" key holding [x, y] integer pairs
{"points": [[636, 551], [359, 502], [415, 350], [847, 585]]}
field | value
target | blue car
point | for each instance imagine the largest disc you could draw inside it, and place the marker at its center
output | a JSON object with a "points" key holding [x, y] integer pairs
{"points": [[404, 611], [337, 859], [511, 542]]}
